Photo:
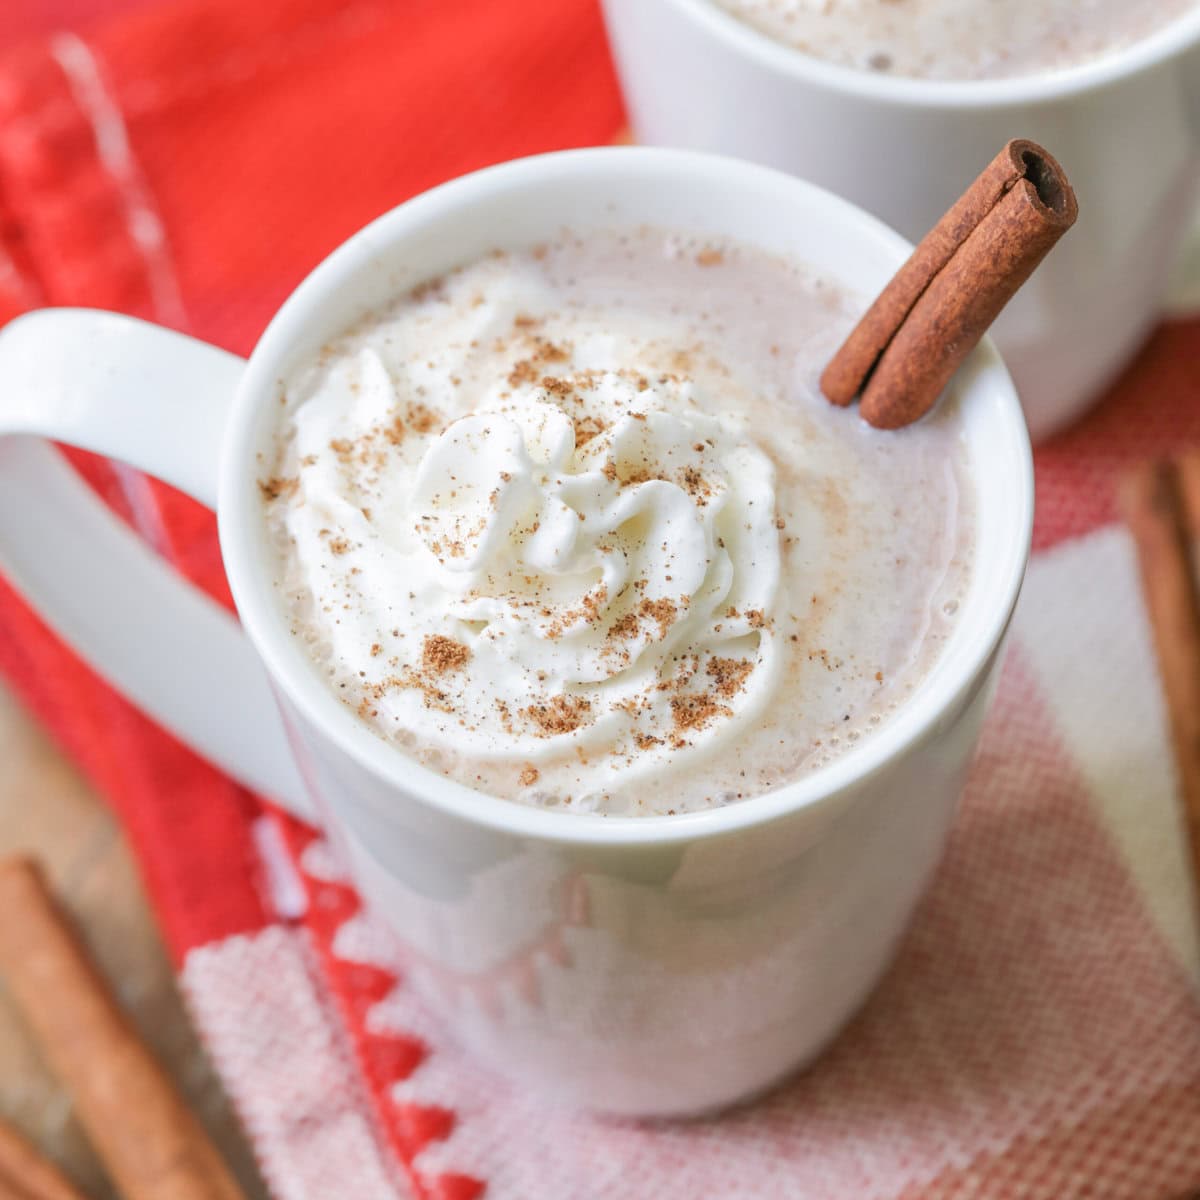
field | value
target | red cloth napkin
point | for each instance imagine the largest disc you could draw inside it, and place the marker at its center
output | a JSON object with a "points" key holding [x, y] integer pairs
{"points": [[190, 163]]}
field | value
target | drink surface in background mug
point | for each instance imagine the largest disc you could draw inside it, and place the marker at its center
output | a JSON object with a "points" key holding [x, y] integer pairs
{"points": [[575, 527], [958, 39], [1123, 125]]}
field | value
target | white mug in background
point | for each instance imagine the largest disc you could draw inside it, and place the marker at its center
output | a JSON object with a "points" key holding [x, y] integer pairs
{"points": [[1125, 127], [635, 965]]}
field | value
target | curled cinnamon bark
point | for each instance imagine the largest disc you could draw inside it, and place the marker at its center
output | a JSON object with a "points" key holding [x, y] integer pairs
{"points": [[1160, 502], [27, 1175], [152, 1145], [935, 309]]}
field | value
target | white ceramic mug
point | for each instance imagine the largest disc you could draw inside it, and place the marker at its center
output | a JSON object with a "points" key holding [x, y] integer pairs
{"points": [[1125, 127], [634, 965]]}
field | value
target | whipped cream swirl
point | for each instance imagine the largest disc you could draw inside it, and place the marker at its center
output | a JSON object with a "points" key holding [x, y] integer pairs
{"points": [[587, 564]]}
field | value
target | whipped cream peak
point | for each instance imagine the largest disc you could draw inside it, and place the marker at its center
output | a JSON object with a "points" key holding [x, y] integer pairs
{"points": [[588, 535], [587, 562]]}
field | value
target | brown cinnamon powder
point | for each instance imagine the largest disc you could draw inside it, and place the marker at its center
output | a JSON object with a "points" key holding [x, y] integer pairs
{"points": [[522, 372], [441, 654], [422, 418], [696, 711], [729, 674], [277, 486], [561, 714], [531, 369], [696, 485], [663, 611], [561, 389], [587, 428], [625, 626]]}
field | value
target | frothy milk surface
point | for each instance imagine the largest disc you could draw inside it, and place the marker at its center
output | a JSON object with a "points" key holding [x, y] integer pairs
{"points": [[575, 527], [958, 39]]}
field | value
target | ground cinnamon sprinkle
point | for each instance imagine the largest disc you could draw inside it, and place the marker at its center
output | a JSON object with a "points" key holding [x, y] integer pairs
{"points": [[593, 602], [710, 258], [339, 545], [529, 370], [685, 668], [562, 389], [431, 289], [546, 351], [696, 485], [756, 617], [529, 776], [562, 714], [696, 711], [729, 674], [441, 654], [522, 372], [276, 486], [587, 428], [422, 418], [625, 626], [433, 697], [663, 611]]}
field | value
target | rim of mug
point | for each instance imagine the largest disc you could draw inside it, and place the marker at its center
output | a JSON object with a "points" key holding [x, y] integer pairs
{"points": [[1173, 38], [265, 623]]}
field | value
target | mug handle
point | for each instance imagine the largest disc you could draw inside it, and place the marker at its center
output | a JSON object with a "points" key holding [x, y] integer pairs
{"points": [[156, 400]]}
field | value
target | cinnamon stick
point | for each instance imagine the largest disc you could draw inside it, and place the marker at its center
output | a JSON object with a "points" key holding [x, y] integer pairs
{"points": [[11, 1191], [1155, 499], [1188, 474], [25, 1174], [153, 1147], [934, 311]]}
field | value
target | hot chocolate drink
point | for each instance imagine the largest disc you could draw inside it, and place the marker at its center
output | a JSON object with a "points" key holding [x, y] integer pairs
{"points": [[575, 527], [958, 39]]}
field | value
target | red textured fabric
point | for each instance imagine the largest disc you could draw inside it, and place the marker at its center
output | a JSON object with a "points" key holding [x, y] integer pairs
{"points": [[21, 19], [1152, 409], [261, 136]]}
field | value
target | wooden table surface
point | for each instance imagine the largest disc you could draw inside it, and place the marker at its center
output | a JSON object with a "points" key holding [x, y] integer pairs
{"points": [[46, 808]]}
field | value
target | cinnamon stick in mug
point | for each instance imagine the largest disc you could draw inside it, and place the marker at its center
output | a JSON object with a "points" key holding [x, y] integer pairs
{"points": [[935, 309], [152, 1145]]}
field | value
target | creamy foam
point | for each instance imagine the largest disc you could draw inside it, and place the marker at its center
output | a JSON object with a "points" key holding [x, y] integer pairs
{"points": [[958, 39], [573, 526]]}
